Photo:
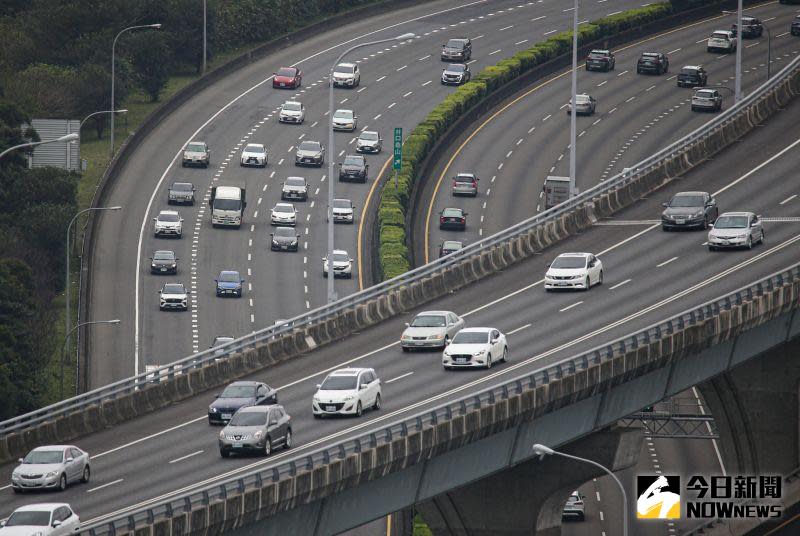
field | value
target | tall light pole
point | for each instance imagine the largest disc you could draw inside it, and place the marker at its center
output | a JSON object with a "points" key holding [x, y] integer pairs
{"points": [[68, 320], [542, 451], [120, 111], [64, 349], [69, 137], [332, 154], [113, 66], [738, 86], [573, 115], [205, 21]]}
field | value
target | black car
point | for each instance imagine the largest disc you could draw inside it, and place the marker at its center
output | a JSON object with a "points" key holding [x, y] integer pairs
{"points": [[795, 29], [284, 239], [181, 193], [652, 62], [600, 60], [453, 218], [689, 209], [456, 74], [692, 76], [751, 27], [164, 262], [354, 168], [457, 49], [449, 246], [238, 395]]}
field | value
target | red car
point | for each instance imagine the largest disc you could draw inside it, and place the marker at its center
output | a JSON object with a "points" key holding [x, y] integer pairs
{"points": [[287, 77]]}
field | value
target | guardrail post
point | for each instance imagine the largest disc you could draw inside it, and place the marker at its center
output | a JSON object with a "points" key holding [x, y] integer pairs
{"points": [[187, 504], [309, 462], [342, 452], [292, 468], [357, 441], [276, 475], [373, 440], [150, 516], [205, 499], [223, 491]]}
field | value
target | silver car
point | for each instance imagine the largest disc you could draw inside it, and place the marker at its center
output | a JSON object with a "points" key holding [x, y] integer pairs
{"points": [[196, 153], [431, 329], [256, 429], [51, 467], [574, 508], [345, 120], [736, 230], [465, 184], [309, 153], [369, 141], [707, 99], [343, 211], [584, 105]]}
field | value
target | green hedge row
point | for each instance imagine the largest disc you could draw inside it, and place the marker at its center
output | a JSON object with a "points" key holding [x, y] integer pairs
{"points": [[394, 258]]}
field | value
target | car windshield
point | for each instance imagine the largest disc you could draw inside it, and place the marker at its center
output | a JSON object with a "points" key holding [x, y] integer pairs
{"points": [[471, 337], [292, 106], [456, 68], [451, 213], [731, 222], [309, 146], [218, 341], [196, 148], [598, 54], [173, 288], [227, 204], [569, 262], [249, 418], [182, 186], [687, 201], [295, 181], [342, 68], [688, 70], [285, 232], [163, 256], [239, 391], [353, 161], [229, 277], [168, 217], [44, 456], [341, 203], [429, 321], [371, 136], [338, 383], [286, 71], [455, 43], [30, 518], [253, 148], [341, 257], [283, 208], [343, 114]]}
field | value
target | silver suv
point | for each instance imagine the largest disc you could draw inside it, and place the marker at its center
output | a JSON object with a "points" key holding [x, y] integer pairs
{"points": [[574, 509], [465, 184], [256, 429], [294, 188], [196, 153]]}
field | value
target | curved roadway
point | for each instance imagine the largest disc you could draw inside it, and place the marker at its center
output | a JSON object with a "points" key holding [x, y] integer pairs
{"points": [[649, 275]]}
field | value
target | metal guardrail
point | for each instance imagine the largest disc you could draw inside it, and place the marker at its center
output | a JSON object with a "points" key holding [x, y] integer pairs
{"points": [[445, 411], [327, 311]]}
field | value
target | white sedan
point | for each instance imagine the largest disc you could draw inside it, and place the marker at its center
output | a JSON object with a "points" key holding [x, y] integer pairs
{"points": [[345, 120], [347, 391], [283, 214], [475, 347], [292, 112], [574, 270], [254, 154]]}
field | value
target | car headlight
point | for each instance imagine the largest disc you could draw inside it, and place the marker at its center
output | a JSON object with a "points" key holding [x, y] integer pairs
{"points": [[174, 265], [698, 214], [480, 352], [315, 398], [212, 410], [222, 434], [436, 337], [51, 474], [257, 435], [348, 398]]}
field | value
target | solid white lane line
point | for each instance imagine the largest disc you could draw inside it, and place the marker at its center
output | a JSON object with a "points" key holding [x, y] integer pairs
{"points": [[620, 284], [708, 427], [406, 375], [187, 456], [513, 331], [666, 262], [568, 307], [787, 199], [104, 485]]}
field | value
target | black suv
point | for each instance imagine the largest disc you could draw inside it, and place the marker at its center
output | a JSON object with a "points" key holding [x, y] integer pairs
{"points": [[751, 27], [600, 60], [354, 168], [457, 49], [652, 62], [796, 25], [692, 76]]}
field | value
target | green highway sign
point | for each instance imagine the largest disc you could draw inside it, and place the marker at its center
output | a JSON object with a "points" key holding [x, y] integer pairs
{"points": [[398, 149]]}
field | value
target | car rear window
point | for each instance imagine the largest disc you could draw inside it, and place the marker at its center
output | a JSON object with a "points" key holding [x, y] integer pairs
{"points": [[688, 70], [295, 181], [451, 213], [286, 71]]}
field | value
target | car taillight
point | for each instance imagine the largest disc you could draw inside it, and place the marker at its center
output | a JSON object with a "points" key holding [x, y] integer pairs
{"points": [[455, 184], [474, 184], [442, 219], [463, 219]]}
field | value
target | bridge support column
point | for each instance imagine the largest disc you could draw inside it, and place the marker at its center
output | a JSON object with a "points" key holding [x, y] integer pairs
{"points": [[528, 498]]}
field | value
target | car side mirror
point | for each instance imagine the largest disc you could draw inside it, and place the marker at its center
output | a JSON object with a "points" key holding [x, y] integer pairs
{"points": [[216, 395], [407, 325], [2, 523], [56, 523], [710, 225], [466, 214], [20, 460], [363, 386], [665, 205], [753, 224], [319, 385], [241, 280], [155, 219], [216, 281], [70, 460], [181, 219], [151, 258], [494, 339]]}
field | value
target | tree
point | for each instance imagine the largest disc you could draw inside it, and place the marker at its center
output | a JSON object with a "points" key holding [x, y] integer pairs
{"points": [[151, 59]]}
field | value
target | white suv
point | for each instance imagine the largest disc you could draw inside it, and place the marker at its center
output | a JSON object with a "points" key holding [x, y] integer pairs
{"points": [[168, 223], [347, 392], [723, 40], [346, 75], [342, 264]]}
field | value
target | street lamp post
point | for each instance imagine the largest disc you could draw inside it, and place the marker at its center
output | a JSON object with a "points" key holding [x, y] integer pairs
{"points": [[205, 22], [738, 86], [68, 320], [573, 114], [64, 349], [69, 137], [120, 111], [769, 50], [113, 65], [542, 451], [332, 154]]}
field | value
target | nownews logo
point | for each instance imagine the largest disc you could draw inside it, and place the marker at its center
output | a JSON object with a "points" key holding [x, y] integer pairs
{"points": [[718, 496]]}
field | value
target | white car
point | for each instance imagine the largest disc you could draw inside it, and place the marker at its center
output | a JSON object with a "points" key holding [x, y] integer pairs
{"points": [[369, 141], [707, 99], [173, 296], [584, 104], [475, 347], [431, 329], [345, 120], [342, 264], [347, 391], [736, 230], [254, 154], [574, 270], [51, 467], [723, 40], [46, 519], [346, 75], [292, 112], [168, 223], [283, 214], [343, 211]]}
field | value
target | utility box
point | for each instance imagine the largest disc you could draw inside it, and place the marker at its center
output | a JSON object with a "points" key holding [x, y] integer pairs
{"points": [[556, 190], [64, 155]]}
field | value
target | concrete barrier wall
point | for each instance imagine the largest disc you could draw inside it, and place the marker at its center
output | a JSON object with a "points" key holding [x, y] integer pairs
{"points": [[588, 398]]}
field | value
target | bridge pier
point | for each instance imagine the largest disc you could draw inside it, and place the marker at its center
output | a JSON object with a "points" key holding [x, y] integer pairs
{"points": [[528, 497]]}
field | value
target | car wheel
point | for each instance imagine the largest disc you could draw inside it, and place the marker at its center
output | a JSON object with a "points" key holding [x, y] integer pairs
{"points": [[62, 483], [224, 453], [377, 404], [86, 474], [749, 243], [16, 490], [505, 354], [763, 235], [488, 361], [587, 283], [268, 447], [600, 279], [359, 409], [446, 341], [287, 444], [711, 248]]}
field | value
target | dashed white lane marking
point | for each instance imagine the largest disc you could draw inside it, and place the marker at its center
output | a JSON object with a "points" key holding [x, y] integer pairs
{"points": [[597, 493], [666, 262], [550, 32], [623, 72], [401, 68], [185, 457], [548, 116], [520, 42], [601, 517], [406, 375], [538, 18], [567, 308], [604, 82], [620, 284], [423, 58], [518, 329], [252, 318], [495, 52], [377, 117], [426, 83], [407, 94], [787, 199], [505, 28], [104, 485], [673, 51]]}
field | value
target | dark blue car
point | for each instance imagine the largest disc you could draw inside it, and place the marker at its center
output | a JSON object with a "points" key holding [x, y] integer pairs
{"points": [[238, 395], [229, 283]]}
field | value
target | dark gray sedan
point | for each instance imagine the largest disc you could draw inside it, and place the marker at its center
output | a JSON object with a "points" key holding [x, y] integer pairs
{"points": [[256, 429], [164, 262], [238, 395], [689, 210], [181, 193], [284, 239]]}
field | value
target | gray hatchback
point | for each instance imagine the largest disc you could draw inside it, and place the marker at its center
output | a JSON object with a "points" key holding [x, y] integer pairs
{"points": [[256, 429], [465, 184]]}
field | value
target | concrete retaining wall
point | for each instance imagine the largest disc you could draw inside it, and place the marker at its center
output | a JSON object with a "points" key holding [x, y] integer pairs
{"points": [[313, 501]]}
